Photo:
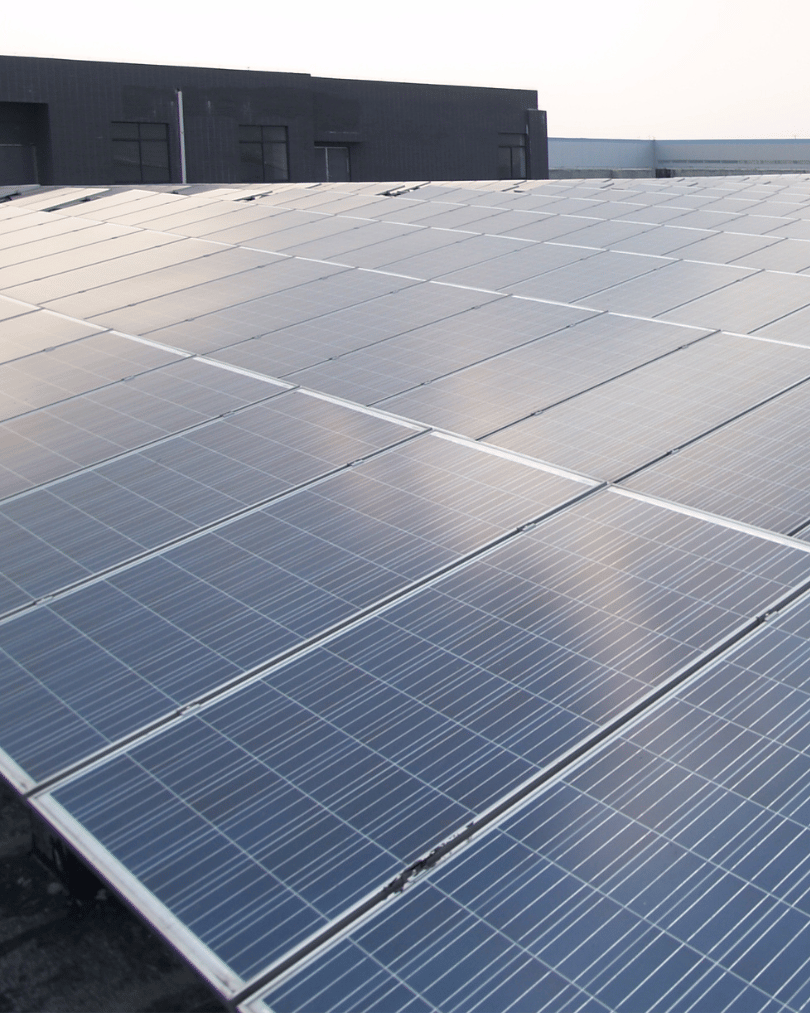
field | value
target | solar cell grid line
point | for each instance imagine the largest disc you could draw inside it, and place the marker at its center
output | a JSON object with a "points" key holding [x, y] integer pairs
{"points": [[637, 418], [241, 717], [49, 442], [180, 624], [487, 397], [99, 519]]}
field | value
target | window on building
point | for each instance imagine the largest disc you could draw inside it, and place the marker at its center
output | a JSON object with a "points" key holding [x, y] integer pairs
{"points": [[511, 156], [264, 154], [140, 153], [336, 166]]}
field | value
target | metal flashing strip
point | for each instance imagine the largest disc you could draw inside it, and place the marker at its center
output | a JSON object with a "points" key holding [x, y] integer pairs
{"points": [[376, 413], [703, 515], [517, 458], [250, 373]]}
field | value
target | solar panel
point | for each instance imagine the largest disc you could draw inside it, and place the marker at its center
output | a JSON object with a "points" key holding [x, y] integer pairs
{"points": [[784, 255], [523, 261], [24, 333], [75, 367], [185, 273], [725, 248], [584, 352], [748, 305], [123, 262], [87, 246], [636, 418], [671, 285], [444, 347], [753, 469], [574, 282], [45, 444]]}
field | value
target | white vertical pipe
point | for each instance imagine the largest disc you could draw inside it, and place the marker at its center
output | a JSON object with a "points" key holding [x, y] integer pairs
{"points": [[182, 129]]}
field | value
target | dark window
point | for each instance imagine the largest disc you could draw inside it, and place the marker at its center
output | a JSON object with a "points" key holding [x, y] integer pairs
{"points": [[140, 153], [336, 164], [263, 154], [511, 156]]}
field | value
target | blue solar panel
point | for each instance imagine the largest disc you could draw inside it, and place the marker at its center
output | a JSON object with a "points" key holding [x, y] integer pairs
{"points": [[281, 655]]}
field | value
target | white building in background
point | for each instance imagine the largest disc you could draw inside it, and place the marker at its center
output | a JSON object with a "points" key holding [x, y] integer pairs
{"points": [[596, 157]]}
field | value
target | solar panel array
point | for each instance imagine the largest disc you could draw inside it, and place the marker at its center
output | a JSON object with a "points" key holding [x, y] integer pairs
{"points": [[404, 586]]}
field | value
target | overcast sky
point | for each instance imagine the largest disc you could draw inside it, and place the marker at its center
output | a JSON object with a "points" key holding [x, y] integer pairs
{"points": [[628, 68]]}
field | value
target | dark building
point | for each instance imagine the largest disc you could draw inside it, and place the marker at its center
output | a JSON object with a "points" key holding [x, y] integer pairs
{"points": [[76, 122]]}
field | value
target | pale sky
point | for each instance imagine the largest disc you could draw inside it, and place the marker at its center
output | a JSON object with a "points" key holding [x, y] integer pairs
{"points": [[682, 69]]}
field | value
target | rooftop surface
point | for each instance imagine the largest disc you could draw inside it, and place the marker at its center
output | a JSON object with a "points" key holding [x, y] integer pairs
{"points": [[404, 586]]}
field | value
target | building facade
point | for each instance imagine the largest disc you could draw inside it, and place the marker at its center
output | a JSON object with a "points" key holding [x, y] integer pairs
{"points": [[75, 122]]}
